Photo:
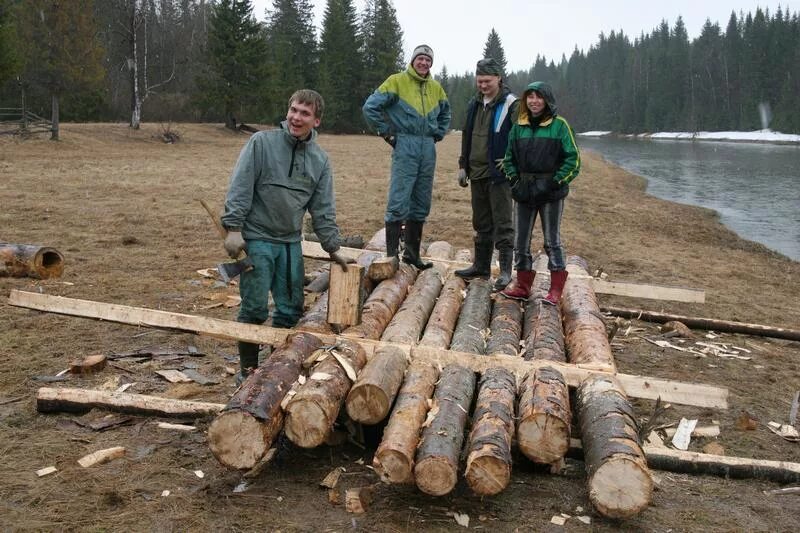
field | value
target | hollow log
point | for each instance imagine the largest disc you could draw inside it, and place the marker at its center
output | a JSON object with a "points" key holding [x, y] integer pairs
{"points": [[473, 318], [544, 416], [442, 322], [311, 412], [315, 319], [241, 435], [436, 469], [488, 469], [29, 260], [50, 400], [409, 321], [370, 399], [545, 336], [439, 250], [619, 482], [394, 458], [382, 304], [584, 329], [505, 327]]}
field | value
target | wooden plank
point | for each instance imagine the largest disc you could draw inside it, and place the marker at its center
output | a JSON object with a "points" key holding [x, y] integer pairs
{"points": [[635, 386], [50, 400], [344, 295]]}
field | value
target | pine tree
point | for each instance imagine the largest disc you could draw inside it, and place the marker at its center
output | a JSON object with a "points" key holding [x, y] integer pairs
{"points": [[9, 56], [494, 48], [383, 42]]}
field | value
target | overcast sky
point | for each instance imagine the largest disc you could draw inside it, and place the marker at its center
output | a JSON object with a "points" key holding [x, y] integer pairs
{"points": [[457, 29]]}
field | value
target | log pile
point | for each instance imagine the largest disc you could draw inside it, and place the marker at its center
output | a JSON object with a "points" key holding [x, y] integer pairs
{"points": [[469, 335]]}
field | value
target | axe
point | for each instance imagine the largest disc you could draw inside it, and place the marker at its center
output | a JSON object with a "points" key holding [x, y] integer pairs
{"points": [[229, 269]]}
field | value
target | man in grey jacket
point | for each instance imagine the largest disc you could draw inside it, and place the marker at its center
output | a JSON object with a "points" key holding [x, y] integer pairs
{"points": [[280, 174]]}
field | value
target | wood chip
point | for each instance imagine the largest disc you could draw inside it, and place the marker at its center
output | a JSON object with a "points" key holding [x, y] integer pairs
{"points": [[462, 519], [176, 427], [46, 471], [683, 435], [101, 456], [348, 368], [200, 474], [174, 376], [88, 365], [357, 500], [785, 490], [320, 376], [124, 387], [794, 408], [585, 519], [785, 431], [332, 478], [558, 520]]}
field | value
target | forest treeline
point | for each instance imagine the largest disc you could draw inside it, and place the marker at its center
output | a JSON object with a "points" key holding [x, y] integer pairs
{"points": [[212, 60]]}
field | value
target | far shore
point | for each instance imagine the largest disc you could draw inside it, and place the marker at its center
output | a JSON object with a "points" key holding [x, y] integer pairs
{"points": [[754, 137]]}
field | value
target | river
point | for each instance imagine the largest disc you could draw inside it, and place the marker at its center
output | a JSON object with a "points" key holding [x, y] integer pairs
{"points": [[755, 188]]}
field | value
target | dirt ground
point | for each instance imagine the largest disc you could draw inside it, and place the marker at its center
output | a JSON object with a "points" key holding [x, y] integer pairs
{"points": [[122, 208]]}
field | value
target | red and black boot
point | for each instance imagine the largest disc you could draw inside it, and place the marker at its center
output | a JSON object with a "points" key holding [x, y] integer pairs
{"points": [[521, 289], [557, 281]]}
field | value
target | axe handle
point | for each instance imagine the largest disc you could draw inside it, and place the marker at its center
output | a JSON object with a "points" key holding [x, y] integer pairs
{"points": [[222, 231]]}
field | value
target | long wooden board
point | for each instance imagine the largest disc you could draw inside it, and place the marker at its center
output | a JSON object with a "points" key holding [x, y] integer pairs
{"points": [[635, 386]]}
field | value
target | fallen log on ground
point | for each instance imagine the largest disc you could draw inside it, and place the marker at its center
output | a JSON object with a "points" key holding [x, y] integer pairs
{"points": [[394, 458], [382, 304], [241, 435], [488, 469], [50, 400], [373, 393], [313, 409], [544, 416], [505, 327], [439, 330], [409, 321], [705, 323], [619, 482], [21, 260], [473, 318], [436, 469]]}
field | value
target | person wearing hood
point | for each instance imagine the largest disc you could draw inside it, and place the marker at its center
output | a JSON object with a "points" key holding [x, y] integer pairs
{"points": [[411, 112], [490, 114], [541, 160], [280, 174]]}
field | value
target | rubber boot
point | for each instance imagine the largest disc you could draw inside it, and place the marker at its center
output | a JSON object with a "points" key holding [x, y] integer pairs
{"points": [[248, 360], [557, 281], [413, 236], [506, 259], [482, 265], [522, 288], [393, 231]]}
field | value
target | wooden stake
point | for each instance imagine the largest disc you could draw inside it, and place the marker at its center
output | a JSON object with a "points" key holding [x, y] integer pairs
{"points": [[344, 295]]}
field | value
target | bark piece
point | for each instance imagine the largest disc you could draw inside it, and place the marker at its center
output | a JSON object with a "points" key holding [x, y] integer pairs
{"points": [[344, 295], [544, 416], [409, 321], [357, 500], [505, 327], [88, 365], [469, 335], [383, 303], [394, 458], [311, 412], [619, 482], [442, 322], [49, 400], [436, 469], [28, 260], [371, 397], [241, 435], [101, 456], [488, 469]]}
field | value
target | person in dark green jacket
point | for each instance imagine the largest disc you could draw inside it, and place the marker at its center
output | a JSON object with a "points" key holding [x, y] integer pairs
{"points": [[541, 160], [411, 112], [280, 174]]}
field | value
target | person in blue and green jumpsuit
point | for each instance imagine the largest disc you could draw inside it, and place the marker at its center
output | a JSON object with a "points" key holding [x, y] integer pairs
{"points": [[411, 112]]}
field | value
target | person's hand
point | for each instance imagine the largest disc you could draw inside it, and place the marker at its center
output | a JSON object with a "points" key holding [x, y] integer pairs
{"points": [[234, 244], [390, 139], [341, 260], [463, 179], [499, 164]]}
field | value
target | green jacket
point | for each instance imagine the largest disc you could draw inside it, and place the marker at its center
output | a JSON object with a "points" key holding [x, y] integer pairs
{"points": [[275, 181]]}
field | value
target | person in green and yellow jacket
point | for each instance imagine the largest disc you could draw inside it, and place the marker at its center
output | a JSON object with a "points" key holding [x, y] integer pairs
{"points": [[541, 160], [411, 112]]}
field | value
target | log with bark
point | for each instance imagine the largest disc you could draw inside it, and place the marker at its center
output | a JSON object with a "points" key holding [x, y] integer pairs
{"points": [[394, 458], [439, 330], [539, 288], [619, 481], [473, 320], [505, 327], [382, 304], [313, 409], [544, 337], [439, 250], [370, 399], [315, 319], [21, 260], [436, 469], [544, 416], [241, 435], [49, 400], [383, 268], [409, 321], [320, 282], [488, 469]]}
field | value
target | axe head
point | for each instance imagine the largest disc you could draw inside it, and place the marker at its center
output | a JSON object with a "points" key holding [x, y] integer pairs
{"points": [[231, 269]]}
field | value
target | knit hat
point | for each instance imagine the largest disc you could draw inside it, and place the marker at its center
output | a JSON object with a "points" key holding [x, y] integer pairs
{"points": [[488, 66], [422, 50]]}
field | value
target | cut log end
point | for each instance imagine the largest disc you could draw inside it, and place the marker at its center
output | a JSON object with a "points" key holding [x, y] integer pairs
{"points": [[621, 487], [368, 404], [543, 438], [393, 467], [488, 475], [306, 424], [238, 440], [435, 476]]}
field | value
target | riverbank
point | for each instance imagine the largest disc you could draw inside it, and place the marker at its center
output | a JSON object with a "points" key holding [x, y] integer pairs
{"points": [[760, 136]]}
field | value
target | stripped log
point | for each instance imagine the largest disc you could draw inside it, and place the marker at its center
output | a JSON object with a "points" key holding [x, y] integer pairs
{"points": [[545, 335], [505, 327], [584, 330], [469, 335], [544, 416], [439, 250], [316, 319], [383, 268], [21, 260], [371, 397], [311, 412], [394, 458], [49, 400], [619, 482], [378, 241], [442, 322], [382, 304], [488, 469], [409, 321], [436, 469], [241, 435]]}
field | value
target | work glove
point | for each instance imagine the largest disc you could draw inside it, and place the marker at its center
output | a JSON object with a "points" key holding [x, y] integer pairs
{"points": [[391, 139], [341, 260], [463, 179], [234, 244]]}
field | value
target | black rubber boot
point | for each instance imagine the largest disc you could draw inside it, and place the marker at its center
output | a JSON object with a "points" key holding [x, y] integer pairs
{"points": [[248, 360], [481, 264], [506, 260], [393, 230], [413, 236]]}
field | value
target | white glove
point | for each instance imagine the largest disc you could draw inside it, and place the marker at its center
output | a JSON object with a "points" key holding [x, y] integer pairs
{"points": [[463, 179], [234, 244]]}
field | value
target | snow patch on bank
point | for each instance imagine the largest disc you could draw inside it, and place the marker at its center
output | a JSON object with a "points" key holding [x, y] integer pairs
{"points": [[767, 136]]}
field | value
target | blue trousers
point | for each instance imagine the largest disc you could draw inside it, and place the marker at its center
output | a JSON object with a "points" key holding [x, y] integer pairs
{"points": [[550, 214], [411, 185], [279, 271]]}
